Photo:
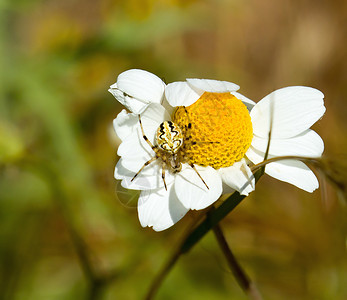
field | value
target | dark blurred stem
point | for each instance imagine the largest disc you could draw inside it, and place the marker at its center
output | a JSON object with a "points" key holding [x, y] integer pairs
{"points": [[196, 231], [96, 282], [241, 277]]}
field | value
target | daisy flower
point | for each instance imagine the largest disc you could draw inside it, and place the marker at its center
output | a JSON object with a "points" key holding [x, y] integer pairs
{"points": [[186, 143]]}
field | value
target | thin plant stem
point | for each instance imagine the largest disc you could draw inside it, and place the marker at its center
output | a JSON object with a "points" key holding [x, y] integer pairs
{"points": [[96, 282], [240, 275], [198, 229], [309, 160], [158, 280]]}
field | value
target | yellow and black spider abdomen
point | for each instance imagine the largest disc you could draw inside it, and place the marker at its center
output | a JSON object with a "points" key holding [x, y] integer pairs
{"points": [[169, 137]]}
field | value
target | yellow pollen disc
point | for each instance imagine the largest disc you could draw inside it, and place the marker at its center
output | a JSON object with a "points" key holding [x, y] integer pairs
{"points": [[221, 130]]}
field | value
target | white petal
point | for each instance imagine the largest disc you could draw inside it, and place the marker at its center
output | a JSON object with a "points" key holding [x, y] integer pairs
{"points": [[148, 178], [160, 209], [254, 155], [114, 86], [135, 152], [124, 124], [291, 171], [134, 145], [151, 118], [134, 105], [291, 109], [142, 85], [154, 169], [294, 172], [308, 143], [141, 182], [155, 113], [212, 86], [227, 189], [191, 190], [137, 88], [239, 177], [167, 106], [248, 102], [181, 94]]}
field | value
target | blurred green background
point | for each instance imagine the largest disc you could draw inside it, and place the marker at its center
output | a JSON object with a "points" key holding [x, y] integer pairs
{"points": [[67, 229]]}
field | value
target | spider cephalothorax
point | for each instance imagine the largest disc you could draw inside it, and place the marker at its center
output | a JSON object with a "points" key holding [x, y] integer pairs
{"points": [[169, 148]]}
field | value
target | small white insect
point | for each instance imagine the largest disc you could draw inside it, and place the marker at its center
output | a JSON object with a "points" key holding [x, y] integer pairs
{"points": [[169, 148]]}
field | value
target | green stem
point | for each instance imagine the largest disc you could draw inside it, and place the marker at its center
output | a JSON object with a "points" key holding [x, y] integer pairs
{"points": [[308, 160], [200, 228], [241, 277], [158, 280]]}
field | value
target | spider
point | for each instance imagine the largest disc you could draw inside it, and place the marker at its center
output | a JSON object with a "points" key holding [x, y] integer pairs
{"points": [[169, 148]]}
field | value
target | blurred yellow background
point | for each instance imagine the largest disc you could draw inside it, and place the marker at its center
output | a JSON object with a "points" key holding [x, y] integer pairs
{"points": [[64, 231]]}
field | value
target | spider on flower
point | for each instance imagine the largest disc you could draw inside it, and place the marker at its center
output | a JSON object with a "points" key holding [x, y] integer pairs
{"points": [[238, 127], [170, 148]]}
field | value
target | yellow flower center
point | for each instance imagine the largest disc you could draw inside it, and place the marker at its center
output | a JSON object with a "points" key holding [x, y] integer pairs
{"points": [[221, 130]]}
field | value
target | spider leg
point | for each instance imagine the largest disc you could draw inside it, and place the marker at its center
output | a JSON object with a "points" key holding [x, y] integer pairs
{"points": [[144, 165], [154, 148], [163, 174], [187, 127], [196, 171]]}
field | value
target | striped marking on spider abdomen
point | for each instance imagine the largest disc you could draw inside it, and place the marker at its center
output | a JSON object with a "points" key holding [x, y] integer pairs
{"points": [[169, 137]]}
